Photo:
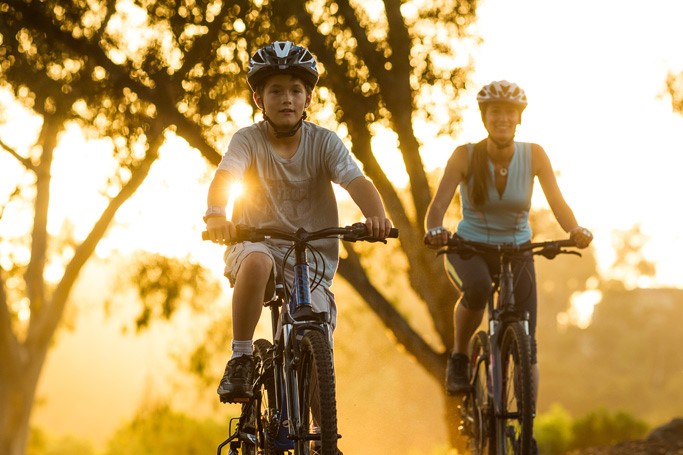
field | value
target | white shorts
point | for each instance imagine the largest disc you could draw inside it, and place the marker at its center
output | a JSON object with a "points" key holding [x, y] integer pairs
{"points": [[322, 299]]}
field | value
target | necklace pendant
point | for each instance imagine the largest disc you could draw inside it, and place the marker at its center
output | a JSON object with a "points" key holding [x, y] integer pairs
{"points": [[503, 171]]}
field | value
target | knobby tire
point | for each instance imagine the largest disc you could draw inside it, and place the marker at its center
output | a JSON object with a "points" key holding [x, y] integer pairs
{"points": [[478, 404], [260, 411], [317, 396], [517, 419]]}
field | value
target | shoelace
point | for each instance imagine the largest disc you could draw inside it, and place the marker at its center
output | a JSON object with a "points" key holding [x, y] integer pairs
{"points": [[241, 368]]}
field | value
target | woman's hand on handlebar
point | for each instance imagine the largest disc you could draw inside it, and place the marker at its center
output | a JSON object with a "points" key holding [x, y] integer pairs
{"points": [[581, 236], [437, 237], [220, 230], [378, 226]]}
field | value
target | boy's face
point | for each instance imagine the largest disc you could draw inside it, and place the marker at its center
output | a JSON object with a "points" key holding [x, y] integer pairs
{"points": [[283, 98]]}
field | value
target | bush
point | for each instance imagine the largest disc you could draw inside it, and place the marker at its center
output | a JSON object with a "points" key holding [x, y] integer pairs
{"points": [[553, 431], [40, 443], [556, 432], [161, 431], [602, 428]]}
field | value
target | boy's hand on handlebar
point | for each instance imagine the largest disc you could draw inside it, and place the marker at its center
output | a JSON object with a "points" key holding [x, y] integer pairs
{"points": [[378, 226], [220, 230], [582, 236], [437, 237]]}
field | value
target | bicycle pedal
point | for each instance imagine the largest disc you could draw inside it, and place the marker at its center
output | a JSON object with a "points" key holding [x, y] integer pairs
{"points": [[240, 400]]}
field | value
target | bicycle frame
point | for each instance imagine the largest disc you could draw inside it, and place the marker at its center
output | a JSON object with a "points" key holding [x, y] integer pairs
{"points": [[501, 314], [504, 320], [291, 327]]}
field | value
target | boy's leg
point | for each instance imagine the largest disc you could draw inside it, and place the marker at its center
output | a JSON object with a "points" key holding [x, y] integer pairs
{"points": [[253, 271], [247, 298]]}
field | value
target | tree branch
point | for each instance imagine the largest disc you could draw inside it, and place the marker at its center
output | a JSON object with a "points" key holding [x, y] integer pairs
{"points": [[24, 161], [8, 341], [35, 283], [44, 327]]}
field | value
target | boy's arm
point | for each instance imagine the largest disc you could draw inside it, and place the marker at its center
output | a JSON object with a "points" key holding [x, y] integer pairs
{"points": [[368, 200], [218, 227]]}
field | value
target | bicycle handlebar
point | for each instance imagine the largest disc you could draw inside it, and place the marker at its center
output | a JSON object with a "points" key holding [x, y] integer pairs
{"points": [[354, 233], [548, 249]]}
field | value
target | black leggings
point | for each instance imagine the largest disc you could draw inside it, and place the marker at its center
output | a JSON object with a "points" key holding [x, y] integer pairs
{"points": [[472, 277]]}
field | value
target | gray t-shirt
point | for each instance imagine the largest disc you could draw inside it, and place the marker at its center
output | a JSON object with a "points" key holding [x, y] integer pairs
{"points": [[291, 193]]}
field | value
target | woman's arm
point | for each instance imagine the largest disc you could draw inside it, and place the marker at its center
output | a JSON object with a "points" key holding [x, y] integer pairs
{"points": [[543, 169], [454, 173]]}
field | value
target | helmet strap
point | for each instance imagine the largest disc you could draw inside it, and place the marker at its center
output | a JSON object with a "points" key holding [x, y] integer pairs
{"points": [[288, 133]]}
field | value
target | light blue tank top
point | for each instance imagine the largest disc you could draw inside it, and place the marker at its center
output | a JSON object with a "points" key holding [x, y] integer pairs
{"points": [[502, 219]]}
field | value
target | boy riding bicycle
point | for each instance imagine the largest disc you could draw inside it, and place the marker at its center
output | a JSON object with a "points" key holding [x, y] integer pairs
{"points": [[287, 166]]}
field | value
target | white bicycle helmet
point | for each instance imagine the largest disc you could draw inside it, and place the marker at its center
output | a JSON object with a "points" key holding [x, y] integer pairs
{"points": [[282, 57], [502, 91]]}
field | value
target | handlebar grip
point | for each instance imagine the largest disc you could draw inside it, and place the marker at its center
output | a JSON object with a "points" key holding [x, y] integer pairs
{"points": [[393, 233]]}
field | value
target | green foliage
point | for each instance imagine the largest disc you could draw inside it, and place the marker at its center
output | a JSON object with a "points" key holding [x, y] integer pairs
{"points": [[40, 443], [630, 263], [674, 87], [602, 428], [553, 431], [164, 283], [556, 432], [162, 431]]}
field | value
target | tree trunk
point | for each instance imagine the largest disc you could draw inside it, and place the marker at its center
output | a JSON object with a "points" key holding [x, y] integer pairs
{"points": [[18, 383], [22, 360]]}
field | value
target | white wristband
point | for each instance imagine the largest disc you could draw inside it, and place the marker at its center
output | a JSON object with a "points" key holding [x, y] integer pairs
{"points": [[214, 211], [435, 231]]}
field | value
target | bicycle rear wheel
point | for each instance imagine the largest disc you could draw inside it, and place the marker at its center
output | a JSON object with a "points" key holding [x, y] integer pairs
{"points": [[478, 405], [317, 396], [517, 414], [258, 414]]}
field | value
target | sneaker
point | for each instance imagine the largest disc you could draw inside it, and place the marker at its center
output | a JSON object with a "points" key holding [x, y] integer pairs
{"points": [[316, 449], [237, 380], [457, 377]]}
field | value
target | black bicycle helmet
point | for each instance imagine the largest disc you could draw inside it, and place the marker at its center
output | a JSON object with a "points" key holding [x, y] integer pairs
{"points": [[282, 57]]}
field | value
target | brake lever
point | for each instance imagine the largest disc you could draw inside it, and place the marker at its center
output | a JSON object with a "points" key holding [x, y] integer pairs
{"points": [[572, 252], [552, 253]]}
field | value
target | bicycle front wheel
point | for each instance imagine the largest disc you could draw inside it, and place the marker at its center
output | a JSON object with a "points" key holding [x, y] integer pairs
{"points": [[260, 424], [317, 397], [478, 405], [517, 414]]}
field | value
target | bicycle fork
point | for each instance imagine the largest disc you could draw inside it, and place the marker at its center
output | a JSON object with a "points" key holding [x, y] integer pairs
{"points": [[496, 371]]}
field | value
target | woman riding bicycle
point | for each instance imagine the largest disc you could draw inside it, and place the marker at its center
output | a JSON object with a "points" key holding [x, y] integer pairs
{"points": [[496, 178], [287, 166]]}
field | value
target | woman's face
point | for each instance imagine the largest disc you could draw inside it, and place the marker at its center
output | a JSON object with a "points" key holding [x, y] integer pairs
{"points": [[501, 120], [284, 98]]}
